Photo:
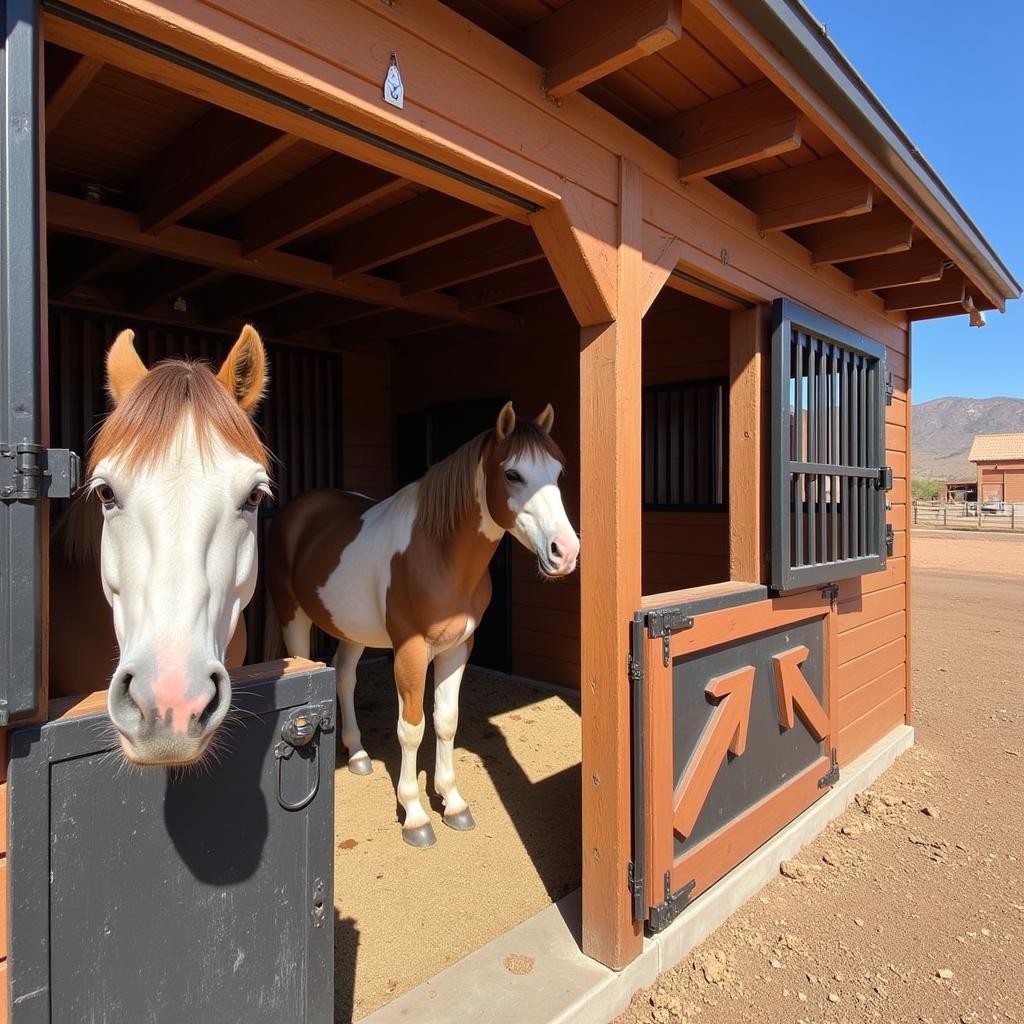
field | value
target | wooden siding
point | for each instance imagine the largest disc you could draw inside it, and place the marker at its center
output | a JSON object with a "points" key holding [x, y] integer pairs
{"points": [[1001, 479]]}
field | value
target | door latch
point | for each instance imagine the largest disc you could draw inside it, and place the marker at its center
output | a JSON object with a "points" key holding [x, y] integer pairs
{"points": [[298, 731]]}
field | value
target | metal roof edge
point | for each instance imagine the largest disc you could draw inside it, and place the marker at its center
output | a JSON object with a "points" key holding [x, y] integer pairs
{"points": [[804, 43]]}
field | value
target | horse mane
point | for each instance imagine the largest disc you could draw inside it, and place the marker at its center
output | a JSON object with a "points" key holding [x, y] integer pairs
{"points": [[447, 492], [140, 429], [79, 530]]}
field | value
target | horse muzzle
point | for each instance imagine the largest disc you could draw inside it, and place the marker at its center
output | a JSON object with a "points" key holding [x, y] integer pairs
{"points": [[168, 717]]}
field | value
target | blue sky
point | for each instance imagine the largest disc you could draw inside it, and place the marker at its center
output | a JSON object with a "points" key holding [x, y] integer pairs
{"points": [[952, 74]]}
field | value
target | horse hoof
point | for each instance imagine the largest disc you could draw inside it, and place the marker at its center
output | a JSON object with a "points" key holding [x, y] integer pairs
{"points": [[421, 836], [461, 822], [360, 765]]}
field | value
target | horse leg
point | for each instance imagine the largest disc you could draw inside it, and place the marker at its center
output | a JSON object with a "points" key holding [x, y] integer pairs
{"points": [[448, 669], [345, 662], [296, 635], [411, 660]]}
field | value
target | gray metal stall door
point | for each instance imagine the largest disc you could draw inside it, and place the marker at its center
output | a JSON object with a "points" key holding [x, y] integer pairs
{"points": [[167, 896]]}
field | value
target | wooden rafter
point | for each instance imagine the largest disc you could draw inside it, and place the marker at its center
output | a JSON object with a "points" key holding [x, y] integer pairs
{"points": [[70, 87], [208, 157], [496, 248], [241, 298], [884, 230], [427, 220], [395, 323], [823, 190], [734, 130], [332, 189], [161, 281], [121, 227], [522, 282], [951, 287], [93, 262], [315, 312], [588, 39], [923, 263]]}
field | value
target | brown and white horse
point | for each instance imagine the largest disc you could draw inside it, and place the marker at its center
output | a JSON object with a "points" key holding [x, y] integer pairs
{"points": [[178, 472], [410, 573]]}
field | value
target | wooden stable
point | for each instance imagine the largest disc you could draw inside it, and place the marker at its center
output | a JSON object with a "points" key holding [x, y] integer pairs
{"points": [[689, 226]]}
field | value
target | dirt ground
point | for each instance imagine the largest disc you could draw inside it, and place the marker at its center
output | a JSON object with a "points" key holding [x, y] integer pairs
{"points": [[403, 914], [910, 907]]}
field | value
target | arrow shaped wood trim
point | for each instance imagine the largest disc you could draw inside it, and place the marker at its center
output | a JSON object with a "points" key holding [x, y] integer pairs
{"points": [[726, 732], [795, 694]]}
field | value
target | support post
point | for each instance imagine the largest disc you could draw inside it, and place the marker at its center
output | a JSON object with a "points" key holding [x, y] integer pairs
{"points": [[748, 427], [610, 445]]}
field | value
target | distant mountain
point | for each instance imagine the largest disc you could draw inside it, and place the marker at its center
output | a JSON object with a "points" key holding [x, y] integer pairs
{"points": [[944, 428]]}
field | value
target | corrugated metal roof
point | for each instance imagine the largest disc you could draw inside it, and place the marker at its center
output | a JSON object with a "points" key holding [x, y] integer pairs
{"points": [[997, 448]]}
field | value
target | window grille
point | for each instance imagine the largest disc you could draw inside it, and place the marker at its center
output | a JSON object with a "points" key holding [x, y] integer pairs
{"points": [[829, 389], [685, 435]]}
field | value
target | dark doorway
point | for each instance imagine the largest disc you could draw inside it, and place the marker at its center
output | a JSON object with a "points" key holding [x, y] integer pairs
{"points": [[426, 437]]}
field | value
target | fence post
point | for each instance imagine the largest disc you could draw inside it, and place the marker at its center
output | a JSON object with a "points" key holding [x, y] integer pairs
{"points": [[945, 509]]}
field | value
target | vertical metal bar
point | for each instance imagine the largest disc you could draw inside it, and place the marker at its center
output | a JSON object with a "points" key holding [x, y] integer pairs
{"points": [[21, 522], [812, 447], [798, 446], [833, 448], [865, 451], [844, 448], [675, 426], [854, 459], [822, 447], [648, 460]]}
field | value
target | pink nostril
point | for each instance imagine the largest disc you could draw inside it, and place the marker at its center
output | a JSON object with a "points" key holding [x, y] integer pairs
{"points": [[556, 551]]}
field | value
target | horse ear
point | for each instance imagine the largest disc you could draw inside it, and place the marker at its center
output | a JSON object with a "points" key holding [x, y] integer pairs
{"points": [[506, 422], [546, 420], [244, 372], [124, 367]]}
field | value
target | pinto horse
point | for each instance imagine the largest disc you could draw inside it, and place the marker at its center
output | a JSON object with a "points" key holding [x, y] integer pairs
{"points": [[178, 472], [410, 573]]}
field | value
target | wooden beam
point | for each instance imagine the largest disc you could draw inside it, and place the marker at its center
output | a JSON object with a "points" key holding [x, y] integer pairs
{"points": [[121, 227], [314, 312], [588, 39], [951, 287], [241, 297], [495, 248], [924, 262], [749, 124], [660, 256], [610, 584], [205, 159], [937, 312], [161, 281], [884, 230], [69, 89], [325, 193], [572, 234], [427, 220], [93, 262], [394, 323], [509, 286], [748, 463], [823, 190]]}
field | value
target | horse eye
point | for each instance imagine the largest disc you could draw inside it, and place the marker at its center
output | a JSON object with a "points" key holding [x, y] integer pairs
{"points": [[106, 495], [256, 495], [513, 477]]}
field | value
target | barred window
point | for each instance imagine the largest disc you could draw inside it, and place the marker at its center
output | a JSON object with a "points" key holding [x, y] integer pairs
{"points": [[685, 446], [828, 450]]}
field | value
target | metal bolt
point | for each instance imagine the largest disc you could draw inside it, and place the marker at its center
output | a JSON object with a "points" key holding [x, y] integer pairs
{"points": [[724, 255]]}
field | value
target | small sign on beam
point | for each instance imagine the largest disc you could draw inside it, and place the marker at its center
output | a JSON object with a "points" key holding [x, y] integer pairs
{"points": [[394, 90]]}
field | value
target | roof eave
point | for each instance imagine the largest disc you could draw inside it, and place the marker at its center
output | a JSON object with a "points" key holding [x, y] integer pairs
{"points": [[804, 43]]}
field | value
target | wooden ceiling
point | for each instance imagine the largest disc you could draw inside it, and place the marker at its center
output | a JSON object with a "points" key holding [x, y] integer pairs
{"points": [[167, 207], [170, 209], [662, 67]]}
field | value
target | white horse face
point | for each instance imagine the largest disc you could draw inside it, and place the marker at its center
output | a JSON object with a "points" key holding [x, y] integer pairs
{"points": [[178, 565], [528, 502]]}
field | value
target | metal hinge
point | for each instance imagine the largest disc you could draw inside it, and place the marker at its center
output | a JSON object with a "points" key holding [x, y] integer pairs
{"points": [[635, 667], [888, 388], [832, 593], [634, 879], [890, 538], [661, 624], [673, 905], [29, 472], [884, 481], [831, 777]]}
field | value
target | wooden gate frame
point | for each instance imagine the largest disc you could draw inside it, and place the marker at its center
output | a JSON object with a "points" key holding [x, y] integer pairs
{"points": [[717, 854]]}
